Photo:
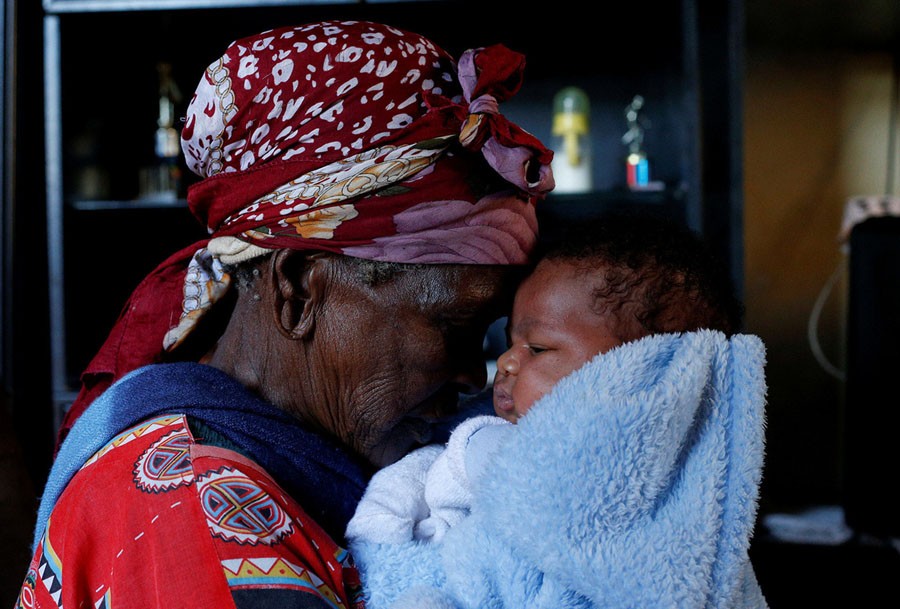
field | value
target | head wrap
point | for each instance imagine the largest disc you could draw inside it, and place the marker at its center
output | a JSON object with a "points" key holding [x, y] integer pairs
{"points": [[349, 137]]}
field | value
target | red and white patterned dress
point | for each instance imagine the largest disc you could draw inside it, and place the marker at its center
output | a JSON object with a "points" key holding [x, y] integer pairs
{"points": [[157, 519]]}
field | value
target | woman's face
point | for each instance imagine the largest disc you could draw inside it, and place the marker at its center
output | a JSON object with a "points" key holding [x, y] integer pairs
{"points": [[398, 354], [552, 332]]}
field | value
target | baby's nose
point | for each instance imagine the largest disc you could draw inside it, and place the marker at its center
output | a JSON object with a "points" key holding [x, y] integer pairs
{"points": [[507, 363]]}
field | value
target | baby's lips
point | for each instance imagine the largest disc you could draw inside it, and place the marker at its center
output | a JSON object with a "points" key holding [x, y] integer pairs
{"points": [[503, 401]]}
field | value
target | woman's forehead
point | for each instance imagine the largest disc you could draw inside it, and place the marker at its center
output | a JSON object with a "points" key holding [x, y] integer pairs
{"points": [[461, 286]]}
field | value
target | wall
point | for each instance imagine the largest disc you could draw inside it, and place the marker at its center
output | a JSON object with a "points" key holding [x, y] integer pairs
{"points": [[816, 122]]}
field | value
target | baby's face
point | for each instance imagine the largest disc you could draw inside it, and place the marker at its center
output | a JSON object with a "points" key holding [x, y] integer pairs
{"points": [[552, 332]]}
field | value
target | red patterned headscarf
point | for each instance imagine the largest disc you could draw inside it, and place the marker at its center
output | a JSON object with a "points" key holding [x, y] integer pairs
{"points": [[349, 137]]}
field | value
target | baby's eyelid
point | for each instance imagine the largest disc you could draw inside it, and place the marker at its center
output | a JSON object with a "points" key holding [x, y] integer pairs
{"points": [[519, 345]]}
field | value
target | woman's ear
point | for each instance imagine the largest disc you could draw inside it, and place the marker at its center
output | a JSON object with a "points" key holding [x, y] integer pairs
{"points": [[298, 288]]}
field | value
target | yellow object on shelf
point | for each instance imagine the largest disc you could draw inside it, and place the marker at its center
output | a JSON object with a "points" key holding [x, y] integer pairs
{"points": [[571, 141]]}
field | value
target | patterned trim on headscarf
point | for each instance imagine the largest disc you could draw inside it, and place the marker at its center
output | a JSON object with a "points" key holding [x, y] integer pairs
{"points": [[205, 284], [314, 204]]}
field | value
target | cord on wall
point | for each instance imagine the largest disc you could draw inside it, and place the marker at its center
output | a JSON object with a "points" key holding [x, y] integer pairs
{"points": [[813, 324]]}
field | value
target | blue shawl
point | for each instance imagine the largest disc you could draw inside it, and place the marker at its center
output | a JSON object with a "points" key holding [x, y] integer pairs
{"points": [[633, 483], [320, 475]]}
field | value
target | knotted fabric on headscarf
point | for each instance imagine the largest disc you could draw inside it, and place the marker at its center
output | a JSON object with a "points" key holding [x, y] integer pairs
{"points": [[349, 137]]}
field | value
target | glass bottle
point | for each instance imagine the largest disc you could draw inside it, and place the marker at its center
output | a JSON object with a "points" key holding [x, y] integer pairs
{"points": [[162, 182]]}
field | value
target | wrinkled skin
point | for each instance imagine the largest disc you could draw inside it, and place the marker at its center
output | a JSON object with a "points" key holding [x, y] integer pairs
{"points": [[369, 365]]}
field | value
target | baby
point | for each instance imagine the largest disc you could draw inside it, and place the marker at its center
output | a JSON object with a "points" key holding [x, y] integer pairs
{"points": [[603, 285]]}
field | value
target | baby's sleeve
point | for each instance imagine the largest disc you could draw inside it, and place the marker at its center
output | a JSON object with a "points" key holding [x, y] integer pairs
{"points": [[448, 484], [394, 500]]}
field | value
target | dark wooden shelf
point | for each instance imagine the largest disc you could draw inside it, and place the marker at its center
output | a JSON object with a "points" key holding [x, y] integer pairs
{"points": [[118, 205], [106, 6], [557, 211]]}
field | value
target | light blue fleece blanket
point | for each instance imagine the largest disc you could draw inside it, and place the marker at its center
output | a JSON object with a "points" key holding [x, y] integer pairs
{"points": [[634, 483]]}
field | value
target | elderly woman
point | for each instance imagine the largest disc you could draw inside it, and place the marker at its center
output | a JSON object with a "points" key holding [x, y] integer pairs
{"points": [[368, 202]]}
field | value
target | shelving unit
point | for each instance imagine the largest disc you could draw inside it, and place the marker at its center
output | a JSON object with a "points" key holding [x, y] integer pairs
{"points": [[100, 109], [5, 196]]}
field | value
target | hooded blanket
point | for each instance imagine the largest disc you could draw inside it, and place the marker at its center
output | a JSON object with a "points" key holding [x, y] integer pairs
{"points": [[633, 483]]}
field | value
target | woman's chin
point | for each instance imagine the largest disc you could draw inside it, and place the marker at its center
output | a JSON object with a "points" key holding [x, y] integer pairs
{"points": [[408, 435]]}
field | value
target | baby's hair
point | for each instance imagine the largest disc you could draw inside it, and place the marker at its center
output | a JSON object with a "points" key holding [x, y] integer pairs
{"points": [[657, 272]]}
